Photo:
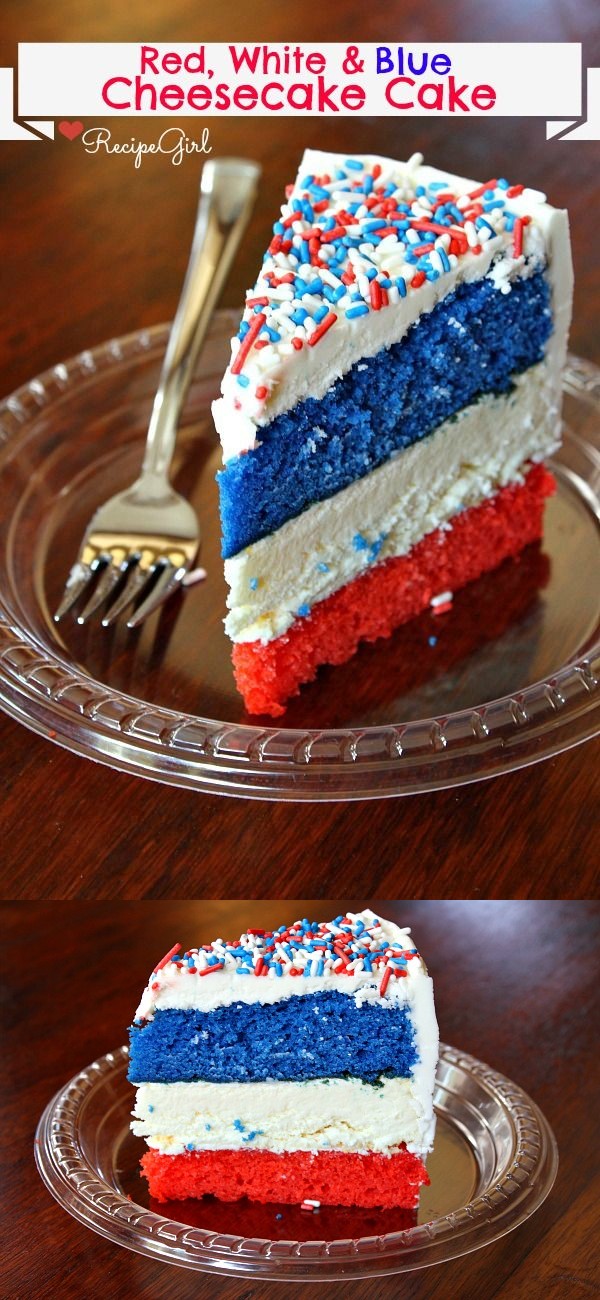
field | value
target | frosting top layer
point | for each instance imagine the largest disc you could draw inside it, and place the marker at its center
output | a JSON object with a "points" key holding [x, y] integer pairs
{"points": [[357, 236], [359, 954]]}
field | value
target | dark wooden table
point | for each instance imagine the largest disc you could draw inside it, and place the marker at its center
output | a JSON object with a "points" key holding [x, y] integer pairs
{"points": [[515, 986], [98, 248]]}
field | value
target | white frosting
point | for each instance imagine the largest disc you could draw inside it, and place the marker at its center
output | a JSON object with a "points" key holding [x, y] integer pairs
{"points": [[173, 987], [290, 376], [466, 460], [312, 1115]]}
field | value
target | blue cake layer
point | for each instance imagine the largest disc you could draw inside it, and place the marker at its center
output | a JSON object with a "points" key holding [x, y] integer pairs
{"points": [[470, 344], [313, 1036]]}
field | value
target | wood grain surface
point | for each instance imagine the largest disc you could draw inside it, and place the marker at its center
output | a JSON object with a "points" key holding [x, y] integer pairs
{"points": [[515, 986], [98, 248]]}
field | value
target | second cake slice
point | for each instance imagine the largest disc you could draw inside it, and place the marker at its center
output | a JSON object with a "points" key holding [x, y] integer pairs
{"points": [[292, 1065]]}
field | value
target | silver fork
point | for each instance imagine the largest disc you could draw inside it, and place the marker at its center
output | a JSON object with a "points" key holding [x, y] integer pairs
{"points": [[146, 539]]}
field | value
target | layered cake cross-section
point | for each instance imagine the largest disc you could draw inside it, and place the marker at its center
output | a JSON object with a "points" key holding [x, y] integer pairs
{"points": [[293, 1065], [393, 391]]}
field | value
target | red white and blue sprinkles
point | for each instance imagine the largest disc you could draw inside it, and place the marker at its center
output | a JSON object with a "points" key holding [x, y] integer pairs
{"points": [[355, 240], [315, 949]]}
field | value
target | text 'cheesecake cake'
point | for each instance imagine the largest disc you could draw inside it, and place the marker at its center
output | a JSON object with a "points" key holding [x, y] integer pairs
{"points": [[293, 1065], [393, 391]]}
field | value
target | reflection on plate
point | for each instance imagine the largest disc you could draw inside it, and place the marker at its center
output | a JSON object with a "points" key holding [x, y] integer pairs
{"points": [[494, 1163], [509, 676]]}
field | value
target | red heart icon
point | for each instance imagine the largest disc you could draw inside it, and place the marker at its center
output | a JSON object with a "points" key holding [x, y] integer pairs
{"points": [[70, 129]]}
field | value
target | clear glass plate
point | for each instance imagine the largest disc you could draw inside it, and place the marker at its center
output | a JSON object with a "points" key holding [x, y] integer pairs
{"points": [[512, 676], [495, 1161]]}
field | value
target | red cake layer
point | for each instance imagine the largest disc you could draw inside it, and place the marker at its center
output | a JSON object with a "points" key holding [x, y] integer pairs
{"points": [[332, 1177], [391, 593]]}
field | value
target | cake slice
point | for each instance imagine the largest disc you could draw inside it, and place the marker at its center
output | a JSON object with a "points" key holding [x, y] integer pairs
{"points": [[393, 391], [290, 1066]]}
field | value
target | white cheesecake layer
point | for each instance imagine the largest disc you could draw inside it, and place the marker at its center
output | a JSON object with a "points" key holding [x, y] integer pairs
{"points": [[290, 376], [466, 460], [312, 1115]]}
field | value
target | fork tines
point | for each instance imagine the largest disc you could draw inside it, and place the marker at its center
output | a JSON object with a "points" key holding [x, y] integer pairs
{"points": [[115, 581]]}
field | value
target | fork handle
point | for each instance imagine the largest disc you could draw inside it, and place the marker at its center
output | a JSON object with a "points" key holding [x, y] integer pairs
{"points": [[227, 193]]}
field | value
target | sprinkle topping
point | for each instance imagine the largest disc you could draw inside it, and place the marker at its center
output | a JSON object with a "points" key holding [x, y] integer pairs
{"points": [[354, 241], [344, 946], [168, 957]]}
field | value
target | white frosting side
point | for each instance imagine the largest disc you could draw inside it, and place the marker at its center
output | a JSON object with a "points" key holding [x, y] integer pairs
{"points": [[289, 376], [312, 1115], [466, 460]]}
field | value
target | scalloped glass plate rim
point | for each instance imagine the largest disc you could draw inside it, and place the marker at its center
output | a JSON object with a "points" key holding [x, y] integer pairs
{"points": [[520, 1190], [270, 762]]}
